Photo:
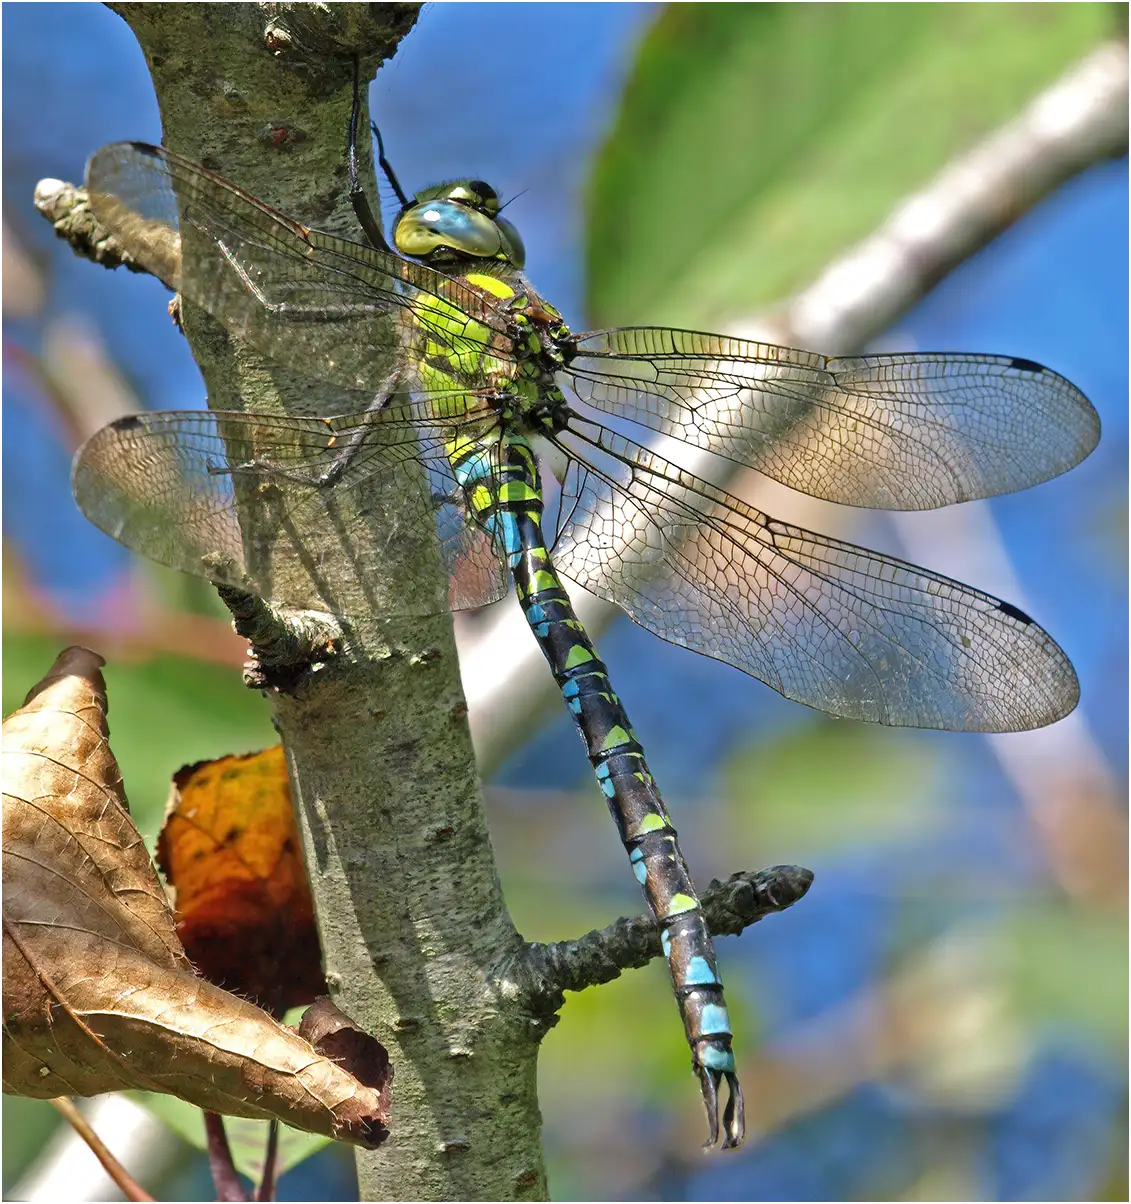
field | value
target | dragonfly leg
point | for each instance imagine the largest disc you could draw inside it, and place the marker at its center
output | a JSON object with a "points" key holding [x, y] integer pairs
{"points": [[343, 454], [350, 448], [264, 468], [358, 199]]}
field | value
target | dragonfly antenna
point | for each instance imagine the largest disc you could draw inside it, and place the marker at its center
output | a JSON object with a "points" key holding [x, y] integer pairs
{"points": [[513, 198]]}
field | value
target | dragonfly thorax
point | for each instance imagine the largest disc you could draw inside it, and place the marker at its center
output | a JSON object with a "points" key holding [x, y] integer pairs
{"points": [[457, 221]]}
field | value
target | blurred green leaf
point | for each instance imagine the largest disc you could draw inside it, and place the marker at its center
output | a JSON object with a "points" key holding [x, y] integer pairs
{"points": [[1068, 964], [247, 1138], [165, 712], [175, 591], [585, 884], [28, 1125], [823, 785], [757, 141]]}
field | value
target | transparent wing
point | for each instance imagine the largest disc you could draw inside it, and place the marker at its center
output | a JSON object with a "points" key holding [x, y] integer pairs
{"points": [[306, 512], [898, 432], [834, 626], [307, 300]]}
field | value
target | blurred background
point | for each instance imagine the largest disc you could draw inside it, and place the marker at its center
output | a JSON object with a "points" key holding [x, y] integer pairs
{"points": [[945, 1015]]}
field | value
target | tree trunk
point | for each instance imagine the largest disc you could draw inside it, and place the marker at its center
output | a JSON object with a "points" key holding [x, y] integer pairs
{"points": [[382, 771]]}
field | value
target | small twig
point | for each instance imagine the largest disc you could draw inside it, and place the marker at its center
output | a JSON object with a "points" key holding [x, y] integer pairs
{"points": [[126, 1183], [285, 643], [266, 1188], [543, 971], [68, 209]]}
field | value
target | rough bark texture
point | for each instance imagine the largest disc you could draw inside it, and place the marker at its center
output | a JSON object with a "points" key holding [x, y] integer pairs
{"points": [[384, 779]]}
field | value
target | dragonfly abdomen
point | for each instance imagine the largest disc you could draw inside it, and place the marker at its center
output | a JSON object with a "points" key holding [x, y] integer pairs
{"points": [[499, 475]]}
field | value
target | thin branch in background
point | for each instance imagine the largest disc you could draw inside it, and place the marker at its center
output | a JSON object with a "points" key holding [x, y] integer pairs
{"points": [[134, 628], [77, 389], [23, 281], [1069, 792], [125, 1182], [80, 378], [1075, 808], [1060, 775], [64, 1170], [266, 1188], [1079, 121], [225, 1177]]}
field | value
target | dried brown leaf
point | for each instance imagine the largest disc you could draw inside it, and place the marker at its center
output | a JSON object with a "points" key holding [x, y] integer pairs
{"points": [[98, 994], [336, 1036]]}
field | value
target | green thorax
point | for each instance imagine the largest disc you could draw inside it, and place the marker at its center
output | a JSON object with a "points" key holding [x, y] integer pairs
{"points": [[455, 228]]}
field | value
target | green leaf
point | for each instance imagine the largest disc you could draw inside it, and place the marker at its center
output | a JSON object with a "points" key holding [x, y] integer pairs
{"points": [[1068, 964], [827, 784], [165, 712], [247, 1138], [756, 142], [620, 1046], [28, 1126]]}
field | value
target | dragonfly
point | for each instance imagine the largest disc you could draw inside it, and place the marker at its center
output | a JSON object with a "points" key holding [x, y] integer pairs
{"points": [[460, 381]]}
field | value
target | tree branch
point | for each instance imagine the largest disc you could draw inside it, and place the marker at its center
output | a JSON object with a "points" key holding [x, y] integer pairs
{"points": [[539, 973], [67, 208], [383, 776], [285, 643], [123, 1180], [1078, 121]]}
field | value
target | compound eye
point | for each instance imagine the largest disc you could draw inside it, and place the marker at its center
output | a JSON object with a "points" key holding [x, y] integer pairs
{"points": [[488, 198], [513, 248], [444, 229]]}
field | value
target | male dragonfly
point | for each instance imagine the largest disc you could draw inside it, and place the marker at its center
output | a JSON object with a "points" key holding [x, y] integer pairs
{"points": [[457, 373]]}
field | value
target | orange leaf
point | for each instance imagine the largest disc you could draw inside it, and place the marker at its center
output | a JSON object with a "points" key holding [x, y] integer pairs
{"points": [[244, 912]]}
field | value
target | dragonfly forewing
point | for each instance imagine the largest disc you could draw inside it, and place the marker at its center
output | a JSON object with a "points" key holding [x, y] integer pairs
{"points": [[896, 432], [350, 515]]}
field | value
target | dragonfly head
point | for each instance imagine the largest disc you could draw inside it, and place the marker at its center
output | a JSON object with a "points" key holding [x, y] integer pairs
{"points": [[457, 221]]}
